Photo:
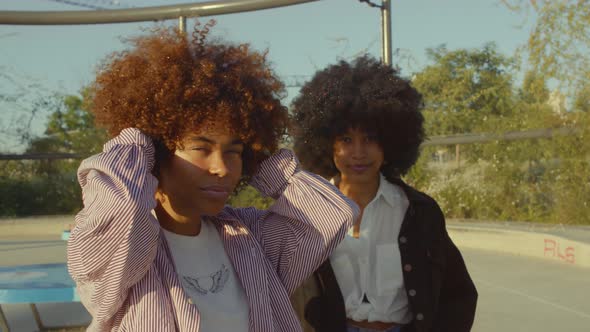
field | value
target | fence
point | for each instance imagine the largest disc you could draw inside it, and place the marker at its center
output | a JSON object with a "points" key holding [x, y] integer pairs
{"points": [[536, 175], [533, 175]]}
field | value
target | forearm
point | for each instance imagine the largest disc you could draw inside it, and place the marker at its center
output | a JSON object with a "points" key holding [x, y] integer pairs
{"points": [[115, 237], [306, 222], [312, 202]]}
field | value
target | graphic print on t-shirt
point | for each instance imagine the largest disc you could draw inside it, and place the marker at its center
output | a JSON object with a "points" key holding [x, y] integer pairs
{"points": [[202, 285], [209, 280]]}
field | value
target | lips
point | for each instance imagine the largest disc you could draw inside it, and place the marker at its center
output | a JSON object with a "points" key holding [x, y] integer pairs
{"points": [[216, 191], [359, 168]]}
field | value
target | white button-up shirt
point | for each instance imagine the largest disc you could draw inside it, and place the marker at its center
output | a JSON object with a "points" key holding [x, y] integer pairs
{"points": [[371, 264]]}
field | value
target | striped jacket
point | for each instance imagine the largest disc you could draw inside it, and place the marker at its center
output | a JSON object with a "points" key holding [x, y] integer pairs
{"points": [[119, 259]]}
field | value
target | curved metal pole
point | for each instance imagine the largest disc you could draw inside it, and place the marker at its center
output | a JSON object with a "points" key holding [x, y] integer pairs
{"points": [[201, 9]]}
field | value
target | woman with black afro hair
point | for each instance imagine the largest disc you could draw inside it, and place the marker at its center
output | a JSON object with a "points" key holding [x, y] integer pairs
{"points": [[360, 125]]}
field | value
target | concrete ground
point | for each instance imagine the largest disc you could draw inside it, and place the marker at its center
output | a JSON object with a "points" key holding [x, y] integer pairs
{"points": [[520, 293]]}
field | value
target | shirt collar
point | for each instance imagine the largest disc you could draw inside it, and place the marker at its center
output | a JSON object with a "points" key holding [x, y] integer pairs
{"points": [[385, 190]]}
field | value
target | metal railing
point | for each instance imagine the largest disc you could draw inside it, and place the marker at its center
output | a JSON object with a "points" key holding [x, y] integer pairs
{"points": [[432, 141], [178, 11], [508, 136], [144, 14], [42, 156]]}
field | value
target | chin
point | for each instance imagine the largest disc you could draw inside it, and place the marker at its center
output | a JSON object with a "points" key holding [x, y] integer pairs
{"points": [[213, 209], [365, 177]]}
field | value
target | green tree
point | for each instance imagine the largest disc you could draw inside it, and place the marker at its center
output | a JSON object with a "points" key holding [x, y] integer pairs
{"points": [[557, 48], [70, 129], [581, 101], [463, 89], [43, 187], [470, 91], [559, 41]]}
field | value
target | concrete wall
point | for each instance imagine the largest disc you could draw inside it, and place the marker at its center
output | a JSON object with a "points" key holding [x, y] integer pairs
{"points": [[524, 243], [504, 238], [42, 227]]}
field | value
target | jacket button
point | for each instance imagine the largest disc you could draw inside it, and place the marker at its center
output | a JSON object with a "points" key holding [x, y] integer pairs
{"points": [[412, 292], [403, 239], [407, 267], [419, 316]]}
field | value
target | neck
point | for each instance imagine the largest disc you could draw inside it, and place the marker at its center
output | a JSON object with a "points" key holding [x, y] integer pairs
{"points": [[176, 223], [362, 193]]}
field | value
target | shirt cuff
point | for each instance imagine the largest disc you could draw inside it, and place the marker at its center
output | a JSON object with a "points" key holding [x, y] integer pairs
{"points": [[275, 173], [134, 136]]}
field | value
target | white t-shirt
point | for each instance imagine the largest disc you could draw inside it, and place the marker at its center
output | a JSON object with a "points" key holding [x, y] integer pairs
{"points": [[371, 265], [209, 279]]}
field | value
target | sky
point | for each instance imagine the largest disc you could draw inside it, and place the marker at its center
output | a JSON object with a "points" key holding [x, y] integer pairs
{"points": [[300, 40]]}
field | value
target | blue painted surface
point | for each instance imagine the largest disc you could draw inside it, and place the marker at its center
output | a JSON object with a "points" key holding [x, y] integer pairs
{"points": [[37, 284]]}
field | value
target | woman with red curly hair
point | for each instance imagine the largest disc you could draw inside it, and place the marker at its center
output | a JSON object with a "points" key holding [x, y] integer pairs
{"points": [[155, 248]]}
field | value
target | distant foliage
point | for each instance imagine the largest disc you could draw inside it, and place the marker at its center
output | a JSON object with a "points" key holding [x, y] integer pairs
{"points": [[250, 197], [46, 187], [464, 89], [540, 180], [558, 42]]}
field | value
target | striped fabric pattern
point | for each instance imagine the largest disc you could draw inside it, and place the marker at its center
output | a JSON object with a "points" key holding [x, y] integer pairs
{"points": [[120, 261]]}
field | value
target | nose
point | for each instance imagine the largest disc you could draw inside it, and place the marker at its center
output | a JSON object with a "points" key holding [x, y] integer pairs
{"points": [[359, 149], [217, 164]]}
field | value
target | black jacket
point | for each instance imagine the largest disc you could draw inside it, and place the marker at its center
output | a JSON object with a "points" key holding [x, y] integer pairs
{"points": [[441, 294]]}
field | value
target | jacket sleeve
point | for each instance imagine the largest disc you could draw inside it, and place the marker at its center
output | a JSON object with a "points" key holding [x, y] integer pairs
{"points": [[458, 296], [307, 220], [115, 237]]}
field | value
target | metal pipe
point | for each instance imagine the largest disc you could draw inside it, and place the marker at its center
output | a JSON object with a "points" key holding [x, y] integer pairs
{"points": [[201, 9], [432, 141], [182, 24], [493, 137], [386, 31], [41, 156]]}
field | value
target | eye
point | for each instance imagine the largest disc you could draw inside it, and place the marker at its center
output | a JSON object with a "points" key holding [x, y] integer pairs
{"points": [[199, 149], [345, 139]]}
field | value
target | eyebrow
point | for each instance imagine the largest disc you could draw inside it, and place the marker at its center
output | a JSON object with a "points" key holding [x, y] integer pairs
{"points": [[207, 140]]}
